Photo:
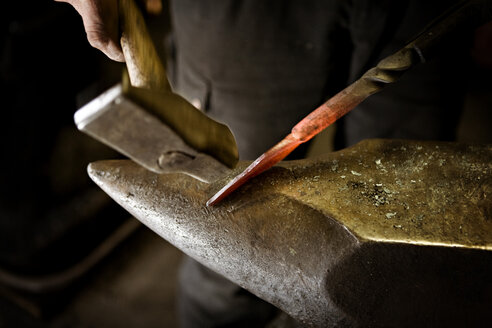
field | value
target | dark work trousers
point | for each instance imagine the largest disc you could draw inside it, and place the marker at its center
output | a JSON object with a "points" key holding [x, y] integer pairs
{"points": [[261, 66]]}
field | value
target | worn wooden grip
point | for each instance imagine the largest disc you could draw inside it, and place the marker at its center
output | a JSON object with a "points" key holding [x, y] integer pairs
{"points": [[144, 65]]}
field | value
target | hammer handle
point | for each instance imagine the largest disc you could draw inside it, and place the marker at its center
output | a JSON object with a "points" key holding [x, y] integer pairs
{"points": [[144, 66]]}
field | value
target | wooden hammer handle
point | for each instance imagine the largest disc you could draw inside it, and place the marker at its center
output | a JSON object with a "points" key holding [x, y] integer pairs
{"points": [[144, 66]]}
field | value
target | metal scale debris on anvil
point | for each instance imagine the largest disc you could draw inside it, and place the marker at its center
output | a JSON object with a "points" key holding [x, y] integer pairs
{"points": [[386, 233]]}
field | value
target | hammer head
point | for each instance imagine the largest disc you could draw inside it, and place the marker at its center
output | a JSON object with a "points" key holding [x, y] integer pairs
{"points": [[121, 123]]}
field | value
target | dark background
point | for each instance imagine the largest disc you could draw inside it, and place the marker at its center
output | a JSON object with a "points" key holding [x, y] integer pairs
{"points": [[69, 256]]}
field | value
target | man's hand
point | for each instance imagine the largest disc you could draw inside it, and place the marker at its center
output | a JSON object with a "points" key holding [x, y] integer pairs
{"points": [[100, 19]]}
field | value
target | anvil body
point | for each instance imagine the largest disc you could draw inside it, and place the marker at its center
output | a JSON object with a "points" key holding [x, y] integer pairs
{"points": [[386, 233]]}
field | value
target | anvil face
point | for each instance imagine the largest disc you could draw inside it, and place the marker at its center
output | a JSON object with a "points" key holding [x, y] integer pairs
{"points": [[386, 233]]}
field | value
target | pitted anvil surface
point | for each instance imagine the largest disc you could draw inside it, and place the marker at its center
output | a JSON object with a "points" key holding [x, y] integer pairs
{"points": [[386, 233]]}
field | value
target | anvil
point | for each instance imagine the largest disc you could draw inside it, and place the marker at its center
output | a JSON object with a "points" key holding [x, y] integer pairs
{"points": [[385, 233]]}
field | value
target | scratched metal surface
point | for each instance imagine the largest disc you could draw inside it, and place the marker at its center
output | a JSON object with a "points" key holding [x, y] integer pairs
{"points": [[424, 193], [391, 233]]}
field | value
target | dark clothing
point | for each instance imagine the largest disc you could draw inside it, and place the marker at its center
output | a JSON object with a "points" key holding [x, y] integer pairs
{"points": [[260, 66], [426, 103]]}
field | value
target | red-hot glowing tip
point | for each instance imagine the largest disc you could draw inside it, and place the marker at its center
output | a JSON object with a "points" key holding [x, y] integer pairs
{"points": [[261, 164], [326, 114]]}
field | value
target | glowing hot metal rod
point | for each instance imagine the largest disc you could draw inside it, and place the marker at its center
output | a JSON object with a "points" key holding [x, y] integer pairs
{"points": [[465, 16]]}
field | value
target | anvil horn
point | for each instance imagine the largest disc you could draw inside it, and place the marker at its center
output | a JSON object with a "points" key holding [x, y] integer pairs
{"points": [[386, 233]]}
